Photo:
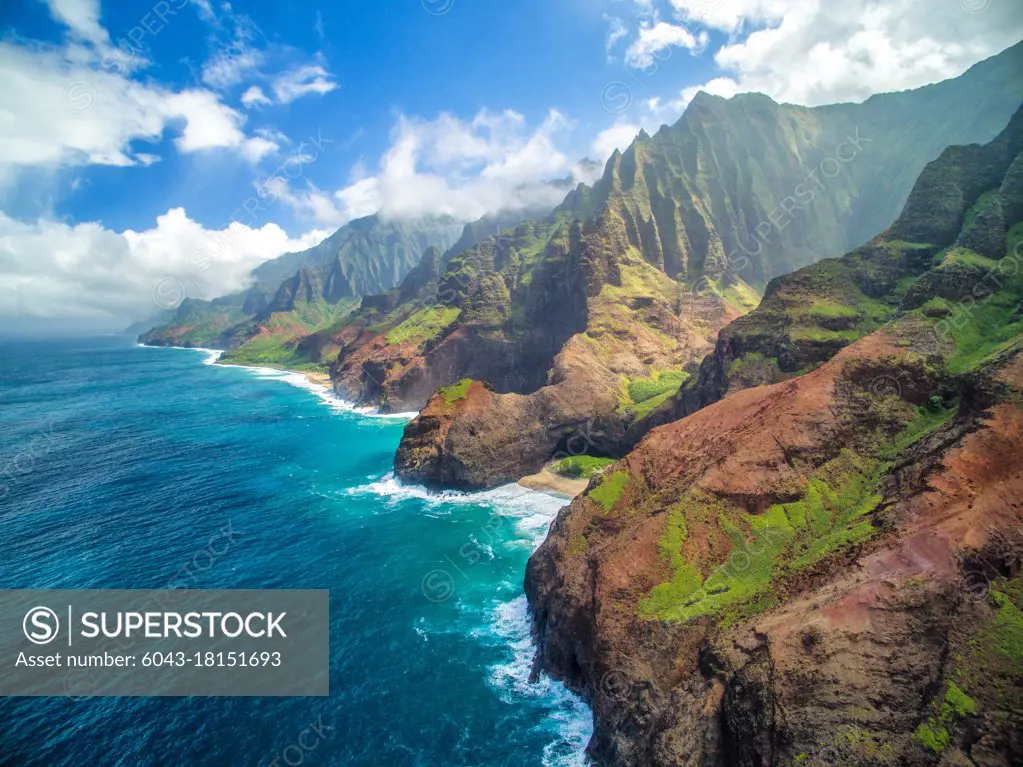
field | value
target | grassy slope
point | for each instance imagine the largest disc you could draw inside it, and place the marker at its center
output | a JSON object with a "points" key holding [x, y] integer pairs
{"points": [[278, 342], [835, 510]]}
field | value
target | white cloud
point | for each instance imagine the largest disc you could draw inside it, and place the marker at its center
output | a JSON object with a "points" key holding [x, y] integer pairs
{"points": [[309, 202], [274, 135], [733, 15], [719, 86], [811, 52], [243, 53], [229, 67], [447, 165], [617, 30], [655, 38], [55, 113], [300, 81], [51, 269], [464, 169], [205, 10], [209, 124], [361, 198], [77, 104], [81, 18], [255, 149], [254, 97], [618, 136]]}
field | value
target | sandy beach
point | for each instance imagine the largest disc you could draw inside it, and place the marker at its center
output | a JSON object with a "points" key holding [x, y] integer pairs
{"points": [[546, 481], [320, 379], [323, 379]]}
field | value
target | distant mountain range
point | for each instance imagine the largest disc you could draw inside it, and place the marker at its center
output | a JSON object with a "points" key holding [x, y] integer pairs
{"points": [[365, 256]]}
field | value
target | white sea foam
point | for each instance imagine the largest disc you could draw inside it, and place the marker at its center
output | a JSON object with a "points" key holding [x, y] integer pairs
{"points": [[212, 355], [506, 623], [300, 381], [532, 511], [569, 718], [326, 394]]}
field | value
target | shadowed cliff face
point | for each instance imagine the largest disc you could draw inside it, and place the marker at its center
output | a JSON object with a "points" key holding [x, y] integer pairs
{"points": [[682, 228], [824, 569], [966, 200]]}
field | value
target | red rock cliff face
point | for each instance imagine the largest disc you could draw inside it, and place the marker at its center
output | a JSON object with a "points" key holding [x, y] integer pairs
{"points": [[840, 654]]}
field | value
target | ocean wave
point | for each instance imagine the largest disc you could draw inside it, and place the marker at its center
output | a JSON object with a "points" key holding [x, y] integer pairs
{"points": [[212, 355], [532, 510], [299, 381], [324, 393], [505, 623], [569, 719]]}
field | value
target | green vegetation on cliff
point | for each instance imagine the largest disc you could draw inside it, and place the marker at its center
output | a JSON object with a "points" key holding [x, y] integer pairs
{"points": [[424, 325], [610, 489], [1006, 628], [956, 705], [645, 394], [299, 339], [785, 538], [456, 392], [833, 514], [988, 318], [581, 466]]}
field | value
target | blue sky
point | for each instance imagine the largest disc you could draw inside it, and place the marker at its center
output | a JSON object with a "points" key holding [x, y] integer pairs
{"points": [[130, 132], [384, 59]]}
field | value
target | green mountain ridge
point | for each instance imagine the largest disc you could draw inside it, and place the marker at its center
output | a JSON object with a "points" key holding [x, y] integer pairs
{"points": [[363, 257]]}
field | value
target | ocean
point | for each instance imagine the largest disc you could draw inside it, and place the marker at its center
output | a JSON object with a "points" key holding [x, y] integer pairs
{"points": [[130, 467]]}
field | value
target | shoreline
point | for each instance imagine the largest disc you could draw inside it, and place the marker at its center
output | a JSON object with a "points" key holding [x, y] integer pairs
{"points": [[318, 383], [546, 481], [314, 377]]}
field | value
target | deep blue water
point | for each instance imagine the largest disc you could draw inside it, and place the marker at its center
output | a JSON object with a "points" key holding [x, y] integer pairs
{"points": [[119, 463]]}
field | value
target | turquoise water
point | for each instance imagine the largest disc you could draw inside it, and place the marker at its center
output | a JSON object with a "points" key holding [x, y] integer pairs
{"points": [[130, 467]]}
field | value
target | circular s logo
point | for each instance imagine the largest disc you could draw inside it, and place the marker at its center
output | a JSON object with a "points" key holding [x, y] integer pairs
{"points": [[41, 625]]}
